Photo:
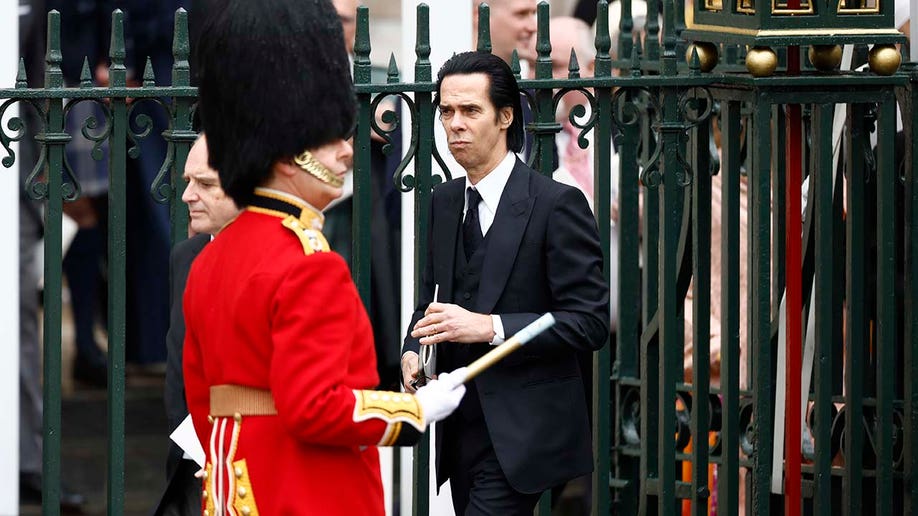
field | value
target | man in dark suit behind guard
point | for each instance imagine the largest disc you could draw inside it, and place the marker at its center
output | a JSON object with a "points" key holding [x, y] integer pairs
{"points": [[209, 209], [506, 245]]}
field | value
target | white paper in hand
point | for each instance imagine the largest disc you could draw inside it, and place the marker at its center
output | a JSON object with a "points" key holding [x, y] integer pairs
{"points": [[428, 358], [186, 439]]}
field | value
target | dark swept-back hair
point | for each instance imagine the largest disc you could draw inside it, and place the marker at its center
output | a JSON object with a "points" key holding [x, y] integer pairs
{"points": [[273, 81], [502, 88]]}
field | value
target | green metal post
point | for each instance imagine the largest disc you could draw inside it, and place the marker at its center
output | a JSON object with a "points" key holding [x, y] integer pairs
{"points": [[54, 138], [180, 135], [678, 26], [651, 365], [625, 28], [674, 180], [855, 323], [887, 182], [627, 370], [778, 199], [422, 189], [602, 177], [360, 229], [701, 313], [652, 39], [484, 28], [824, 304], [545, 127], [762, 354], [117, 224], [911, 294], [728, 477], [651, 233]]}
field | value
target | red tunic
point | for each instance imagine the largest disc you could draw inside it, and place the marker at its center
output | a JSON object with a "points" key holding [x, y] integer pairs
{"points": [[263, 310]]}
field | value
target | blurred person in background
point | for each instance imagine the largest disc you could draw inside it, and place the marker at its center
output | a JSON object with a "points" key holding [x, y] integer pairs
{"points": [[209, 210], [85, 34], [148, 30], [32, 34], [513, 27]]}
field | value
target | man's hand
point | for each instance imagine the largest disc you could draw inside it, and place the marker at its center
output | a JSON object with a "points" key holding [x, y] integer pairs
{"points": [[409, 369], [445, 322]]}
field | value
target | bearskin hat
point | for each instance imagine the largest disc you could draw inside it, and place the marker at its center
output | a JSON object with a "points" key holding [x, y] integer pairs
{"points": [[273, 80]]}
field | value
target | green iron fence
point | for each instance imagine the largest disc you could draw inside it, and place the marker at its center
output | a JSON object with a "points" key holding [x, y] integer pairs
{"points": [[665, 440], [52, 181]]}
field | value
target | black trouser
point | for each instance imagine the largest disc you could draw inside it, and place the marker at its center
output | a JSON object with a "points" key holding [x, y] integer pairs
{"points": [[478, 484]]}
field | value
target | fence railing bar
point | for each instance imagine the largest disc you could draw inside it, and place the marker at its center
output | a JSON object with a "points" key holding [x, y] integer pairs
{"points": [[821, 180], [728, 477], [54, 138], [760, 345], [910, 327], [117, 241], [887, 342]]}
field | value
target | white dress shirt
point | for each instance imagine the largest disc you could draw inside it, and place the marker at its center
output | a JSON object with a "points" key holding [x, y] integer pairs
{"points": [[490, 188]]}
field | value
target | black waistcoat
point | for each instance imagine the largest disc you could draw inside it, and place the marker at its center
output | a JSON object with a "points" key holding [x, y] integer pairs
{"points": [[466, 278]]}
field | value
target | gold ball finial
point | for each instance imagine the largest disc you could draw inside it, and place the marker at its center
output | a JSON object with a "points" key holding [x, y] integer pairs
{"points": [[707, 55], [884, 59], [761, 61], [825, 57]]}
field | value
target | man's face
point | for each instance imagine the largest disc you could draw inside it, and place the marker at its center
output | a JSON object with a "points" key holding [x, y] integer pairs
{"points": [[475, 130], [561, 44], [209, 208], [513, 26], [347, 13]]}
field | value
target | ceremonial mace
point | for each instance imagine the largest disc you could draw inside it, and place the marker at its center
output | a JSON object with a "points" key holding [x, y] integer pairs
{"points": [[509, 346]]}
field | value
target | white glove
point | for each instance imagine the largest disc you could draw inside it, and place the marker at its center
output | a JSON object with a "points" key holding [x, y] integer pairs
{"points": [[440, 397]]}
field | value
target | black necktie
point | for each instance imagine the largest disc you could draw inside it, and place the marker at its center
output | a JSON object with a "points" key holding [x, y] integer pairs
{"points": [[471, 228]]}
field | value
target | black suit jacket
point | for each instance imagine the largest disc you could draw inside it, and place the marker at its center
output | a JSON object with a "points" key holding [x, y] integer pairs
{"points": [[183, 491], [543, 255]]}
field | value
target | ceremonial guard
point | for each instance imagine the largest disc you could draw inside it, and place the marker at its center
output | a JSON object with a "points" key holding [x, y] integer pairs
{"points": [[279, 360]]}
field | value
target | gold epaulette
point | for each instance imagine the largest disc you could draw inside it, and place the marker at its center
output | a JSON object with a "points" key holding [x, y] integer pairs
{"points": [[396, 409], [313, 240]]}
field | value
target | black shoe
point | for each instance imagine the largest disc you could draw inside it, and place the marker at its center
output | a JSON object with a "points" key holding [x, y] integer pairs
{"points": [[30, 494], [91, 371]]}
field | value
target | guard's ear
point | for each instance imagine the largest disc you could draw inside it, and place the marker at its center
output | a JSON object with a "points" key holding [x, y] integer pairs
{"points": [[286, 168], [505, 117]]}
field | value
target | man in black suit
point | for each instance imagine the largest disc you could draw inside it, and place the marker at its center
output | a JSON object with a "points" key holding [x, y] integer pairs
{"points": [[209, 209], [506, 245]]}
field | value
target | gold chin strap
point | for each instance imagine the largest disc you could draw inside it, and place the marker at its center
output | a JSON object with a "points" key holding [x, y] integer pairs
{"points": [[306, 161]]}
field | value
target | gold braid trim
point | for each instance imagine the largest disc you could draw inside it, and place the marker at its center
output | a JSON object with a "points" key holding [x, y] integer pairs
{"points": [[208, 496], [394, 408], [306, 161], [308, 215], [313, 241], [266, 211], [390, 435], [244, 499]]}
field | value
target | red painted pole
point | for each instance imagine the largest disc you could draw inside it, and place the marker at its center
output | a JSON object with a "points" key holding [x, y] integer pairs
{"points": [[793, 263]]}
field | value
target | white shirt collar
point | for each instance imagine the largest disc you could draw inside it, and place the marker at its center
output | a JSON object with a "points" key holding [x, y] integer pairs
{"points": [[491, 186]]}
